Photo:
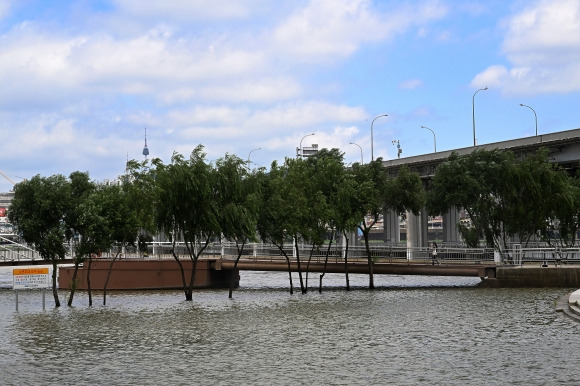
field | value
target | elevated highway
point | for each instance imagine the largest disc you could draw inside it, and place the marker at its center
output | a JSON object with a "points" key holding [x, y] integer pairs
{"points": [[563, 148]]}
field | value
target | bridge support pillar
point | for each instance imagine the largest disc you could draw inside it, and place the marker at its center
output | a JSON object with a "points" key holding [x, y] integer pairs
{"points": [[417, 230], [450, 221], [392, 227]]}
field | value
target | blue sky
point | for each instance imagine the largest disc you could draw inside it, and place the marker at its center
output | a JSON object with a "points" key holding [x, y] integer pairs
{"points": [[80, 80]]}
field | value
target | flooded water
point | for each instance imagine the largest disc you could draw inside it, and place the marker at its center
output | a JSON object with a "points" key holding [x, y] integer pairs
{"points": [[410, 330]]}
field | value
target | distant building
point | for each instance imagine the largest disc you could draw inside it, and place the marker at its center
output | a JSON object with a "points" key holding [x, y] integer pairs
{"points": [[306, 152], [5, 226]]}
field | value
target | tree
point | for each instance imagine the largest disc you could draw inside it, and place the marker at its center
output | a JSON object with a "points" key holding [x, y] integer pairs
{"points": [[348, 214], [38, 210], [81, 187], [326, 174], [186, 207], [377, 193], [505, 196], [237, 199], [283, 207], [129, 208]]}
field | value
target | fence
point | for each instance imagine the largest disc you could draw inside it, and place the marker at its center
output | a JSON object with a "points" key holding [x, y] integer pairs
{"points": [[12, 251]]}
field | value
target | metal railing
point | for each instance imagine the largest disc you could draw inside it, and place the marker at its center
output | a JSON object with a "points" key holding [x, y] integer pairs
{"points": [[11, 251], [396, 253]]}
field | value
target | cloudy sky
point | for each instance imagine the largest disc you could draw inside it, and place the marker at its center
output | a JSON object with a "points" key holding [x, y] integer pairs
{"points": [[80, 80]]}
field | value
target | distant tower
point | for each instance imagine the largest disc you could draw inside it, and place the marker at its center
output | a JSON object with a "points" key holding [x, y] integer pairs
{"points": [[145, 149]]}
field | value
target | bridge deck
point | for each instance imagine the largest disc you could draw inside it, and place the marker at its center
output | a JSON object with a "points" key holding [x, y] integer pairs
{"points": [[391, 268]]}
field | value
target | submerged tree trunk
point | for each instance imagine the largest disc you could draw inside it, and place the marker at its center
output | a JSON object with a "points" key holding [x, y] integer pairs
{"points": [[240, 252], [325, 263], [308, 265], [108, 277], [346, 262], [185, 289], [369, 258], [281, 248], [189, 295], [54, 288], [302, 289], [89, 281], [73, 284]]}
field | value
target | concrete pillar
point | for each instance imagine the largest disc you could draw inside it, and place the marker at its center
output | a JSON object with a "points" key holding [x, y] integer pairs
{"points": [[424, 228], [392, 227], [417, 229], [450, 221]]}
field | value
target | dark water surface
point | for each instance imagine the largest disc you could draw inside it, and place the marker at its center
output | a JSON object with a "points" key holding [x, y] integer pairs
{"points": [[410, 330]]}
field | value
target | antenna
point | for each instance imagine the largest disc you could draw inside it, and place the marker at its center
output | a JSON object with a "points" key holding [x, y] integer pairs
{"points": [[145, 149]]}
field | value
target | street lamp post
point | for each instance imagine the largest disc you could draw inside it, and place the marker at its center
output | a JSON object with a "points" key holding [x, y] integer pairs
{"points": [[473, 111], [301, 151], [253, 150], [434, 139], [372, 123], [361, 153], [535, 115]]}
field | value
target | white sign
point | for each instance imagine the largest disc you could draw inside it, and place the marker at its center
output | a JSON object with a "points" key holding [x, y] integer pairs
{"points": [[28, 278]]}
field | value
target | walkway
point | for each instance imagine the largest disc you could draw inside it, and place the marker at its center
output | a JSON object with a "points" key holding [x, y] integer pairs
{"points": [[569, 304]]}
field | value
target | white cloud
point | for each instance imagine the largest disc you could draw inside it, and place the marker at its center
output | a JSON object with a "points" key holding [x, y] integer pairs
{"points": [[328, 29], [185, 9], [542, 43]]}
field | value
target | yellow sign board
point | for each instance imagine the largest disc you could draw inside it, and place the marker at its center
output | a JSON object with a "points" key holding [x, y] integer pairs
{"points": [[24, 278]]}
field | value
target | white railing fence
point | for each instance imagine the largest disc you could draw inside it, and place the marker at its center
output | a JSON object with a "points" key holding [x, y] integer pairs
{"points": [[11, 251]]}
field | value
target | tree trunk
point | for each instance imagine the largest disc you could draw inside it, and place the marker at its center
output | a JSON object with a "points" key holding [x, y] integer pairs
{"points": [[89, 281], [54, 289], [308, 266], [325, 263], [240, 252], [346, 263], [108, 276], [182, 275], [302, 289], [281, 248], [369, 259], [73, 284], [192, 277]]}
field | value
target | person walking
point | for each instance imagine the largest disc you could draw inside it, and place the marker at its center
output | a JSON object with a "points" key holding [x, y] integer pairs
{"points": [[434, 254]]}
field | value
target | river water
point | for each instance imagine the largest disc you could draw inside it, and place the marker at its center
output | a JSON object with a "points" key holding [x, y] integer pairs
{"points": [[410, 330]]}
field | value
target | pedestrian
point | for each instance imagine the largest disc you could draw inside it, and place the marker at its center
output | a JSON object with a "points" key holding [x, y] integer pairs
{"points": [[434, 254]]}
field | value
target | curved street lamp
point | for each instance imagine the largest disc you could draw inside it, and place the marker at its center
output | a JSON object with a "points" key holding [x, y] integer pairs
{"points": [[372, 123], [301, 151], [535, 115], [434, 139], [253, 150], [473, 111], [361, 153]]}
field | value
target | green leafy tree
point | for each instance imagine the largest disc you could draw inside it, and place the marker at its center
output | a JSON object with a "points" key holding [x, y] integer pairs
{"points": [[283, 207], [326, 174], [81, 187], [348, 212], [237, 199], [186, 207], [378, 193], [129, 209], [38, 210], [505, 196]]}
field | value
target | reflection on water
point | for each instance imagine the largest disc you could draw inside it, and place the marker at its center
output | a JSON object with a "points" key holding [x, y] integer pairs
{"points": [[410, 330]]}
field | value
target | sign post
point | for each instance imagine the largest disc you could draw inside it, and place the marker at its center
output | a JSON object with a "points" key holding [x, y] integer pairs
{"points": [[30, 278]]}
